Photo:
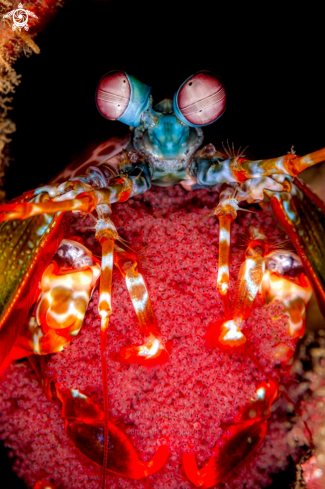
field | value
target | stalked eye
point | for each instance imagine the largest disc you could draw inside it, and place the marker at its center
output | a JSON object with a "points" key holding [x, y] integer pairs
{"points": [[201, 99], [123, 97], [113, 95]]}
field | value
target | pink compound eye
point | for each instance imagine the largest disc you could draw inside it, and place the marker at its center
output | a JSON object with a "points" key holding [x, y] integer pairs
{"points": [[201, 100], [113, 94]]}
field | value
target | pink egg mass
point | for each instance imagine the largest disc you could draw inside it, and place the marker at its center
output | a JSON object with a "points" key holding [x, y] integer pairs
{"points": [[200, 417]]}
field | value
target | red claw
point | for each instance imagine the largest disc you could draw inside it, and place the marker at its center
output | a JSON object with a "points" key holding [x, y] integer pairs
{"points": [[123, 460], [84, 424], [236, 444], [152, 352], [75, 405], [259, 407], [238, 440]]}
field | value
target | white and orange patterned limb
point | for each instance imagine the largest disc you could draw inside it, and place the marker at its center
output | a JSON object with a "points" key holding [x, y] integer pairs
{"points": [[152, 350], [106, 234], [249, 279], [65, 290], [226, 213], [285, 281]]}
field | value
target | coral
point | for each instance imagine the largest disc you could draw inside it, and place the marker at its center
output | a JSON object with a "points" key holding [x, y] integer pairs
{"points": [[310, 365], [192, 397], [13, 44]]}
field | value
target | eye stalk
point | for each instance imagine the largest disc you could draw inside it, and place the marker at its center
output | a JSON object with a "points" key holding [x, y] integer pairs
{"points": [[200, 100], [122, 97]]}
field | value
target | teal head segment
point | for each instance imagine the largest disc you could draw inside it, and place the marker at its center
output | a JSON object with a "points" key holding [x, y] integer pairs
{"points": [[122, 97], [200, 100], [165, 134]]}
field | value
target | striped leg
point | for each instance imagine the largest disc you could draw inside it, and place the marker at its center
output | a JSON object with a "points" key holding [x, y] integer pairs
{"points": [[250, 278], [118, 190], [226, 213], [228, 333], [106, 234], [223, 267], [152, 351], [237, 442]]}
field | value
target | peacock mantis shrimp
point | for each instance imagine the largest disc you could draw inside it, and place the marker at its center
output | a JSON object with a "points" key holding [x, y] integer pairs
{"points": [[163, 150]]}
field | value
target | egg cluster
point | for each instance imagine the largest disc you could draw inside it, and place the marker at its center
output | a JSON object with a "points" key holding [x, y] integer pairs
{"points": [[191, 398]]}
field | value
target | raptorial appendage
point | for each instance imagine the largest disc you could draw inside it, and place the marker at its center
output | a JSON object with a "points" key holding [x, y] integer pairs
{"points": [[301, 214], [85, 423], [285, 281], [228, 333], [153, 350], [249, 280], [279, 276], [238, 441], [66, 287], [251, 180], [39, 248], [57, 316], [119, 189]]}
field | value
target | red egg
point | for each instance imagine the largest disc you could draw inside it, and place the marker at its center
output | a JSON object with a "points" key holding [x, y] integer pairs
{"points": [[202, 99], [113, 94]]}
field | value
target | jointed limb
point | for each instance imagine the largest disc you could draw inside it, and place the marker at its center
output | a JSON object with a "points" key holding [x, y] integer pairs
{"points": [[106, 234], [253, 179], [209, 168], [120, 189], [226, 213], [79, 195], [249, 281], [153, 350]]}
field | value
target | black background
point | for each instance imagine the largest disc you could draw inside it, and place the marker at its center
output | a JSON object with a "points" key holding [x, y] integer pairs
{"points": [[270, 57]]}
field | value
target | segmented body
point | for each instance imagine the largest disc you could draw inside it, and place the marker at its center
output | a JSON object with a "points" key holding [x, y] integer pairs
{"points": [[180, 272], [162, 150]]}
